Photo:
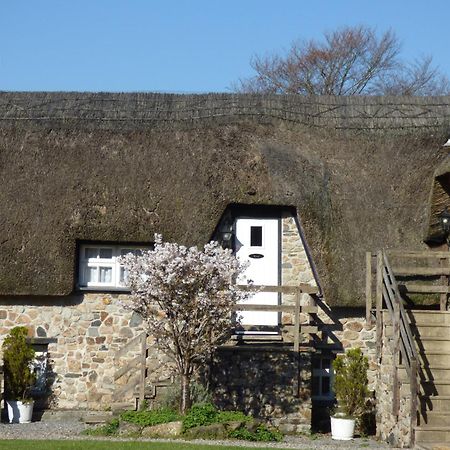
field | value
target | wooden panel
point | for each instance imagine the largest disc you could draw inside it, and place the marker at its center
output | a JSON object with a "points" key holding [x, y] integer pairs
{"points": [[128, 346], [424, 271]]}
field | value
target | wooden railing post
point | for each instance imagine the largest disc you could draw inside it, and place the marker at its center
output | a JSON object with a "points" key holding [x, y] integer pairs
{"points": [[444, 282], [396, 357], [369, 288], [414, 393], [143, 369], [379, 303]]}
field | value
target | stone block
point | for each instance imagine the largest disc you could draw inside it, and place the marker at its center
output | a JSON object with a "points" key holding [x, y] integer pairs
{"points": [[170, 429]]}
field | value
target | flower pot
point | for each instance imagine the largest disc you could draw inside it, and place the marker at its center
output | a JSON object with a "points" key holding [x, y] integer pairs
{"points": [[19, 412], [342, 429]]}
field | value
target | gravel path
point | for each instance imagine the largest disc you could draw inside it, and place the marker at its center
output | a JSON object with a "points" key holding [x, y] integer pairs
{"points": [[72, 429]]}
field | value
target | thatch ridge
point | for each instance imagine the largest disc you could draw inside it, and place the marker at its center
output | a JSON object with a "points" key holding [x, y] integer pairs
{"points": [[358, 176]]}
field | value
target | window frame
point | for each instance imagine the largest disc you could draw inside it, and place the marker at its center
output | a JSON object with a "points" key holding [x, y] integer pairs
{"points": [[322, 373], [84, 263]]}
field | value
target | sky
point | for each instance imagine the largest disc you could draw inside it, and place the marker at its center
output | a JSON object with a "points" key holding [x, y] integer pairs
{"points": [[186, 46]]}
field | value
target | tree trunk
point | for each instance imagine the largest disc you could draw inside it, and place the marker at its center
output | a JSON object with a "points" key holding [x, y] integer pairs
{"points": [[185, 393]]}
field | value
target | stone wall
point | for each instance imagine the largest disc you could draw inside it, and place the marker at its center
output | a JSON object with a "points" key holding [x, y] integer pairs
{"points": [[393, 429], [83, 334], [271, 383]]}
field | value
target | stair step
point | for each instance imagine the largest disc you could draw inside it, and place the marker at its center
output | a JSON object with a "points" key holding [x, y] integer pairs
{"points": [[434, 418], [432, 434], [432, 446], [436, 403], [429, 388]]}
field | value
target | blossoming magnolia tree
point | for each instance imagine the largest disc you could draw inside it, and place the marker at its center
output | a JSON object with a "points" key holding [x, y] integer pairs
{"points": [[186, 296]]}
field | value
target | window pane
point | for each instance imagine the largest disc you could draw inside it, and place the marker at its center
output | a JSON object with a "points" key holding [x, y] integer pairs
{"points": [[326, 363], [105, 274], [256, 236], [316, 363], [325, 385], [123, 276], [106, 253], [91, 274], [90, 252], [315, 385]]}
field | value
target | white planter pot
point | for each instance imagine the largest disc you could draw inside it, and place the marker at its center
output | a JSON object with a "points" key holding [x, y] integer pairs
{"points": [[342, 429], [19, 412]]}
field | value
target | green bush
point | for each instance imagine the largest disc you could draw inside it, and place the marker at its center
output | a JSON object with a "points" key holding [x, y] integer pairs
{"points": [[17, 357], [109, 429], [172, 395], [232, 416], [150, 418], [261, 434], [199, 415], [350, 382]]}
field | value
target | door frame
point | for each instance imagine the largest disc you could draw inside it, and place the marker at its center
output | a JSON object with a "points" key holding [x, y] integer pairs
{"points": [[263, 212]]}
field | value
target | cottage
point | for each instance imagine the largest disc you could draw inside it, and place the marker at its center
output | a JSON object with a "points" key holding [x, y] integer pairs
{"points": [[307, 189]]}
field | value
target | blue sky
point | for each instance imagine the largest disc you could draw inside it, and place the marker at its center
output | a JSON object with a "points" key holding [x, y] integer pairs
{"points": [[186, 45]]}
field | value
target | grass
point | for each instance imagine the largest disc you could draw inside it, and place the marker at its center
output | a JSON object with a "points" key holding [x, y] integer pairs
{"points": [[110, 445]]}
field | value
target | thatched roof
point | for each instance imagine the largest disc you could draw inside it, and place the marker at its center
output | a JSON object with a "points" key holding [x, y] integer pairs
{"points": [[119, 167]]}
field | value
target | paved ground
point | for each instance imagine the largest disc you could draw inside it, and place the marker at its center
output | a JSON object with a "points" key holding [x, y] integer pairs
{"points": [[73, 430]]}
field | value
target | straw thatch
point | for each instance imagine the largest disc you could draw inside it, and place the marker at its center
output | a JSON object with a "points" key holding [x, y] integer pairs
{"points": [[119, 167]]}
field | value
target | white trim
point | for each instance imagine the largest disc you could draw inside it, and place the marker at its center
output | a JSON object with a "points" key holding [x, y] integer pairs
{"points": [[98, 263]]}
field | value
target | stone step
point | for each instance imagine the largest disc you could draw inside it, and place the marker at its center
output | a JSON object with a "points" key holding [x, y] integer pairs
{"points": [[435, 403], [432, 446], [429, 318], [434, 358], [425, 331], [434, 418], [433, 434], [427, 373]]}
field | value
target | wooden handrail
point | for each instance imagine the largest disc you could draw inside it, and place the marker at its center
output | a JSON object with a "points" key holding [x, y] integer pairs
{"points": [[403, 342]]}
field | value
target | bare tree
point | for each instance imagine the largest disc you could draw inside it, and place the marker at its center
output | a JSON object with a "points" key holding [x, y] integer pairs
{"points": [[349, 61]]}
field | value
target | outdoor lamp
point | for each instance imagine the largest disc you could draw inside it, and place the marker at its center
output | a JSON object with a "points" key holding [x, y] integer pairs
{"points": [[444, 218], [226, 232]]}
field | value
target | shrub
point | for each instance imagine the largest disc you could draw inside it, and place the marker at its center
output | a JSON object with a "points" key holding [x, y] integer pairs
{"points": [[350, 382], [150, 418], [232, 416], [261, 434], [199, 415], [172, 395], [109, 429], [18, 357]]}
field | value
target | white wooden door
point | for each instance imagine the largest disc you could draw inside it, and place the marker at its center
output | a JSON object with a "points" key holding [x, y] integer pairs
{"points": [[257, 241]]}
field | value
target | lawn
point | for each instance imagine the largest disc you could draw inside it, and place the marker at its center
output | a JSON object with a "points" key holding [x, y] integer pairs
{"points": [[110, 445]]}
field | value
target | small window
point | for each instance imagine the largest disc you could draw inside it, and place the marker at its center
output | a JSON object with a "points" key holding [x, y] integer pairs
{"points": [[256, 236], [322, 376], [100, 269]]}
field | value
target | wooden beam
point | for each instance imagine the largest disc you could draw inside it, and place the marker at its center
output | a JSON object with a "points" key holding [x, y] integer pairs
{"points": [[127, 367], [310, 309], [304, 288], [369, 288], [413, 400], [127, 347], [418, 254]]}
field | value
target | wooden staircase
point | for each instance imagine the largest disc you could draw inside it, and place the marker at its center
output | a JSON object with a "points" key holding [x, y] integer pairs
{"points": [[419, 342]]}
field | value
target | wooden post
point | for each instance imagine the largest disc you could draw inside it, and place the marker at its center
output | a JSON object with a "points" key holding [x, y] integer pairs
{"points": [[296, 384], [369, 288], [297, 322], [444, 282], [143, 369], [395, 357], [414, 393], [379, 303]]}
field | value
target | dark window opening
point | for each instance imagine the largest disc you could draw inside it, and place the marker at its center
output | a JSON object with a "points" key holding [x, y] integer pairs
{"points": [[256, 236]]}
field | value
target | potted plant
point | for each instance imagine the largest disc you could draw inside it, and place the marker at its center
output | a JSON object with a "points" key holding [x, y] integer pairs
{"points": [[18, 356], [350, 387]]}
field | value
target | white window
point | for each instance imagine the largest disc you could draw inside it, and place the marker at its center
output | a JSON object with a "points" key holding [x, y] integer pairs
{"points": [[322, 376], [99, 266]]}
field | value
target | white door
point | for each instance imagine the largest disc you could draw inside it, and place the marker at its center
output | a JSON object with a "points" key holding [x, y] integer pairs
{"points": [[257, 241]]}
